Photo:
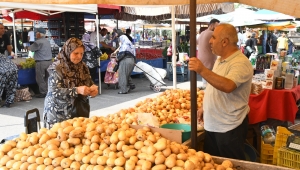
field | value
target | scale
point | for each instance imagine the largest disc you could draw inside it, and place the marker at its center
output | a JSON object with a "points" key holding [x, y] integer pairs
{"points": [[293, 142]]}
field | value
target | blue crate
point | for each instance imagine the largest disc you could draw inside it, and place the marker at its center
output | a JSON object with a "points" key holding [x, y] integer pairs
{"points": [[179, 77], [183, 69], [26, 76]]}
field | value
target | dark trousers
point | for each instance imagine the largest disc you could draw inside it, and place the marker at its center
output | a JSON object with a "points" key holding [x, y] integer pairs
{"points": [[93, 73], [229, 144]]}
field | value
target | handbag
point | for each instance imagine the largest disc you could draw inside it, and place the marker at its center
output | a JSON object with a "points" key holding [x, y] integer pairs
{"points": [[81, 107]]}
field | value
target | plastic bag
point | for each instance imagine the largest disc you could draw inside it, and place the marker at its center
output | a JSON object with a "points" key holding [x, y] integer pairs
{"points": [[147, 119]]}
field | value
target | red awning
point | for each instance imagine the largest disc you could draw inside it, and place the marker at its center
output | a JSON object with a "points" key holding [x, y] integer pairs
{"points": [[28, 15], [108, 9]]}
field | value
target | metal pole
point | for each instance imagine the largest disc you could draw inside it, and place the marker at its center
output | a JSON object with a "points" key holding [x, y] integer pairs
{"points": [[193, 78], [174, 48], [97, 29], [15, 37]]}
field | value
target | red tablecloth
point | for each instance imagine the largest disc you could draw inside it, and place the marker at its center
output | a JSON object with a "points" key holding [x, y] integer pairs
{"points": [[274, 104]]}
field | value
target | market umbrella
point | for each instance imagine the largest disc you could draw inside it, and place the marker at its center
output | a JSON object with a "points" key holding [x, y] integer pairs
{"points": [[269, 15], [275, 25]]}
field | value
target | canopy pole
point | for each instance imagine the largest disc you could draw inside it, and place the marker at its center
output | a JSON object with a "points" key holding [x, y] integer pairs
{"points": [[193, 78], [97, 31], [174, 48], [15, 37]]}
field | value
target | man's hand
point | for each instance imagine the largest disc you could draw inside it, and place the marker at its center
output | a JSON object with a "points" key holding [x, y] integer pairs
{"points": [[112, 48], [93, 90], [200, 115], [195, 65], [84, 90]]}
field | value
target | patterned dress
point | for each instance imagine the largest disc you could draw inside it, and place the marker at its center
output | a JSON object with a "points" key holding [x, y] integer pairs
{"points": [[63, 81], [8, 78]]}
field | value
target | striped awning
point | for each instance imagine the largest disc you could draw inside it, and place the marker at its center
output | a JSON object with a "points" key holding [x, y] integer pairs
{"points": [[156, 13]]}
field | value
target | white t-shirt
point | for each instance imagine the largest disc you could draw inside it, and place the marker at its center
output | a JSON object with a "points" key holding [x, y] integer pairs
{"points": [[31, 36]]}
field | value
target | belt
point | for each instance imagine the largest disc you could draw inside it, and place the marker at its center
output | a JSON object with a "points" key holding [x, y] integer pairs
{"points": [[41, 60]]}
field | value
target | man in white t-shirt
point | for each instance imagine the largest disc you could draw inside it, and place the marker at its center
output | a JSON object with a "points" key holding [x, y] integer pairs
{"points": [[31, 36], [240, 38], [102, 37]]}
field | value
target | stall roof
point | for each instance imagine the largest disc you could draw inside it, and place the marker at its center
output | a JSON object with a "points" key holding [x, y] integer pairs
{"points": [[289, 7]]}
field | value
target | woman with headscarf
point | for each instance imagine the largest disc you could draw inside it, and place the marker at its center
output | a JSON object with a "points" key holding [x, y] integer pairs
{"points": [[8, 79], [69, 77], [91, 55], [126, 59]]}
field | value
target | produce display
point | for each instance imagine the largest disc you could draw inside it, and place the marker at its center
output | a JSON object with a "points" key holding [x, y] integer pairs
{"points": [[104, 56], [29, 63], [147, 56], [169, 106], [101, 143], [110, 143]]}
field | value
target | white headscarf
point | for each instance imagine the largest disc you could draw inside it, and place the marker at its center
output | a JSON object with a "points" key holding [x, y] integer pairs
{"points": [[126, 45]]}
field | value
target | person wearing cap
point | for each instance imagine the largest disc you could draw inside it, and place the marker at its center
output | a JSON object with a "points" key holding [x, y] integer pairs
{"points": [[205, 54], [43, 58]]}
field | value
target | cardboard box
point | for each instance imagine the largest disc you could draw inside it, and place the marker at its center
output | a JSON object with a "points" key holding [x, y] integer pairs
{"points": [[274, 65], [269, 74], [269, 84], [172, 135]]}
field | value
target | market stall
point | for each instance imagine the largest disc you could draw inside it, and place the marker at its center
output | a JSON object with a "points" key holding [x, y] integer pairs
{"points": [[274, 104]]}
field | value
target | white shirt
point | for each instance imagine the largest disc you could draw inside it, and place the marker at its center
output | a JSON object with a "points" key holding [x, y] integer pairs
{"points": [[31, 36], [226, 111], [240, 39]]}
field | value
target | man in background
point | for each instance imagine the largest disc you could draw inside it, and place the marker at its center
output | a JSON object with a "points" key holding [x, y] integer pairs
{"points": [[205, 54], [25, 39], [240, 38], [31, 36], [43, 59]]}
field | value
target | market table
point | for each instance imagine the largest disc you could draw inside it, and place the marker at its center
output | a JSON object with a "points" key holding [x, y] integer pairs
{"points": [[274, 104]]}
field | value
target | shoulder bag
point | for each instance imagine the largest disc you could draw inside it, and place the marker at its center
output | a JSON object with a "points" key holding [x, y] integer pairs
{"points": [[81, 107]]}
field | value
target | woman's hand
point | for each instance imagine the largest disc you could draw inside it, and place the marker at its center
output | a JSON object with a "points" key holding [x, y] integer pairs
{"points": [[84, 90], [93, 90]]}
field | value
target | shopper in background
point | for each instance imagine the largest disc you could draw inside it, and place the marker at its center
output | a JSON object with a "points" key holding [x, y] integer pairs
{"points": [[31, 36], [240, 38], [282, 43], [126, 59], [69, 77], [25, 40], [8, 70], [225, 104], [114, 38], [273, 39], [43, 58], [91, 55], [205, 54]]}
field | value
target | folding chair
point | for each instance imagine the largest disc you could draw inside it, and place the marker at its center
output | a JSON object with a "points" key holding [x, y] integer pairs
{"points": [[32, 124]]}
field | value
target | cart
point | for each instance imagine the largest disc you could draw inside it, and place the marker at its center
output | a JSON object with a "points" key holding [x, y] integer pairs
{"points": [[154, 75]]}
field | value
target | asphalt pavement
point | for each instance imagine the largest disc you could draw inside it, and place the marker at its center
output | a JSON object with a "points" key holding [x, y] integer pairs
{"points": [[12, 119]]}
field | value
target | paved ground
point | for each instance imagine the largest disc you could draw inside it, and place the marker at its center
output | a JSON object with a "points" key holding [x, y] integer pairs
{"points": [[12, 119]]}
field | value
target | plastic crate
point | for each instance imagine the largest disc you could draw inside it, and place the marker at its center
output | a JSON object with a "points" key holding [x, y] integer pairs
{"points": [[288, 158], [280, 141], [179, 77], [295, 129], [183, 69], [266, 153]]}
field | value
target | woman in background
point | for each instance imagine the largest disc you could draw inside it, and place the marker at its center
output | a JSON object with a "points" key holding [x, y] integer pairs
{"points": [[126, 59]]}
